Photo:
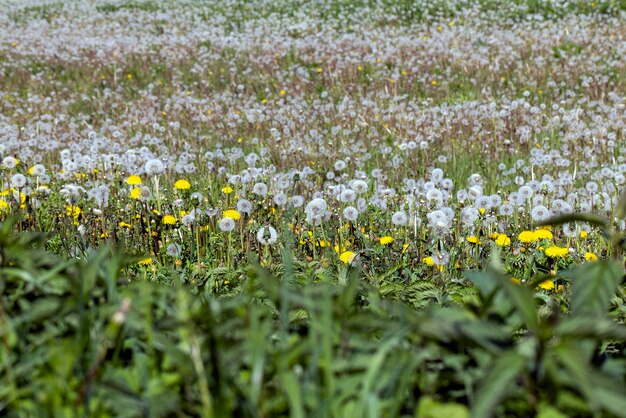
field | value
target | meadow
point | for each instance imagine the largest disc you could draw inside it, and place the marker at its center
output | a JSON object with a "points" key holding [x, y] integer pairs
{"points": [[313, 209]]}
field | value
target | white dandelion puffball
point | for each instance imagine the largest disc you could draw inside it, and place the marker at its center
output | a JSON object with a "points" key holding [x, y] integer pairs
{"points": [[154, 167], [399, 218], [351, 213], [227, 224], [267, 235]]}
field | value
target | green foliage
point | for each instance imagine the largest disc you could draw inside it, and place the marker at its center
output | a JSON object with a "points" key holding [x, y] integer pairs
{"points": [[77, 338]]}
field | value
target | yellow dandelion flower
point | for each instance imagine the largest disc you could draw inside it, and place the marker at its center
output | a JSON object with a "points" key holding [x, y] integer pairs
{"points": [[73, 211], [547, 285], [386, 240], [232, 213], [503, 240], [556, 252], [543, 234], [527, 236], [134, 180], [4, 206], [428, 261], [135, 193], [168, 220], [347, 256], [583, 234], [482, 211], [590, 256], [182, 184], [227, 190], [145, 261], [473, 239], [123, 224]]}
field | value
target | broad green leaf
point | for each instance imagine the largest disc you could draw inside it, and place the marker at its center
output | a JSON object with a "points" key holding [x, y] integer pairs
{"points": [[524, 301], [483, 280], [291, 386], [593, 285], [575, 363], [547, 411], [503, 371], [429, 408], [610, 394], [580, 326]]}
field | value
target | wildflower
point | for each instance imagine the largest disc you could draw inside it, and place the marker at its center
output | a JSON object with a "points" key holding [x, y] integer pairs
{"points": [[543, 234], [18, 181], [590, 256], [173, 250], [556, 252], [227, 224], [267, 235], [9, 162], [399, 218], [315, 210], [280, 199], [244, 206], [227, 190], [547, 285], [134, 180], [196, 198], [503, 240], [135, 193], [296, 201], [347, 256], [232, 213], [4, 206], [168, 220], [350, 213], [583, 234], [527, 236], [359, 186], [154, 167], [73, 211], [123, 224], [182, 184], [143, 194], [145, 261], [386, 240], [540, 213], [473, 239], [441, 258], [189, 219], [259, 189], [428, 261], [37, 170]]}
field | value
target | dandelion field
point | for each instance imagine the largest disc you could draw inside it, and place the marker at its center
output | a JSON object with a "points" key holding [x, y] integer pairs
{"points": [[337, 208]]}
